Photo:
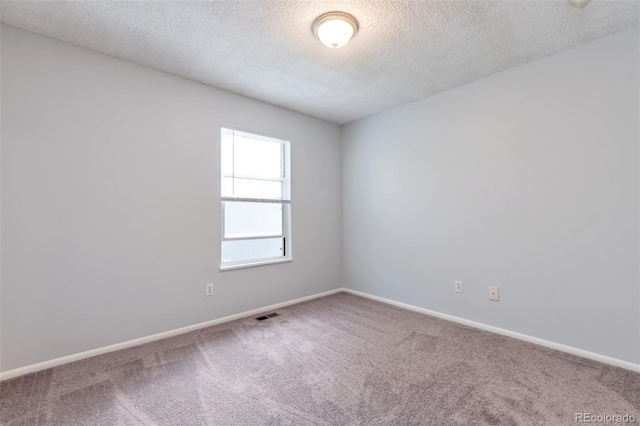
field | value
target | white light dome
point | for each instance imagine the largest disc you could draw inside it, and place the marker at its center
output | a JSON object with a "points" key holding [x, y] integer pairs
{"points": [[579, 3], [335, 29]]}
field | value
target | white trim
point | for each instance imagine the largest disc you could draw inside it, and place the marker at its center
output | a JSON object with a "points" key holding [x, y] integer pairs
{"points": [[250, 264], [255, 177], [256, 200], [535, 340], [9, 374], [252, 134], [254, 237]]}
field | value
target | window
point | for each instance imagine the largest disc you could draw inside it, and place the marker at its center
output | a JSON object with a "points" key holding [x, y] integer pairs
{"points": [[256, 200]]}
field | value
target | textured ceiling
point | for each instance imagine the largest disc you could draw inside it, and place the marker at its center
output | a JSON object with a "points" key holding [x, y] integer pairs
{"points": [[405, 50]]}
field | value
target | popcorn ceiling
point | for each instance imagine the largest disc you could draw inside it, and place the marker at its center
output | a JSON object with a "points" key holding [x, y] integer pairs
{"points": [[265, 49]]}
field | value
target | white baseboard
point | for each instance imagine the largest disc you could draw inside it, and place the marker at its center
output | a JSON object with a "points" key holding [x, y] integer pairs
{"points": [[542, 342], [135, 342], [5, 375]]}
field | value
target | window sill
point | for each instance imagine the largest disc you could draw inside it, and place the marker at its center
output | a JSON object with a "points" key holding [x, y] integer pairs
{"points": [[252, 264]]}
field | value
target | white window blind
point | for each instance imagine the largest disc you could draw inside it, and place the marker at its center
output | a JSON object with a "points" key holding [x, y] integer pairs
{"points": [[256, 199]]}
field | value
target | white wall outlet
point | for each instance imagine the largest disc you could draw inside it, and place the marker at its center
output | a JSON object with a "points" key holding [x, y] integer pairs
{"points": [[209, 289], [494, 293], [458, 287]]}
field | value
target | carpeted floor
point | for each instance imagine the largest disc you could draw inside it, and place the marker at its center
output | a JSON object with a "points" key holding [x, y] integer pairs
{"points": [[338, 360]]}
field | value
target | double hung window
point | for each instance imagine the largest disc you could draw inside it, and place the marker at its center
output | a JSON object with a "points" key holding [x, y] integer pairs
{"points": [[256, 199]]}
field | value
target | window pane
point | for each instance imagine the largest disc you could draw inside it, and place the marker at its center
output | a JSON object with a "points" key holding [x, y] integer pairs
{"points": [[227, 153], [244, 219], [252, 188], [257, 158], [254, 167], [235, 251]]}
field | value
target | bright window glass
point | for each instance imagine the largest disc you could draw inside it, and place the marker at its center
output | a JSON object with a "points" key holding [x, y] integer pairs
{"points": [[245, 219], [256, 202], [249, 250]]}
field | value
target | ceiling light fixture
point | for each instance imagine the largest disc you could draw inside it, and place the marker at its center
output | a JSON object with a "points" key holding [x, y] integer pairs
{"points": [[335, 29], [579, 3]]}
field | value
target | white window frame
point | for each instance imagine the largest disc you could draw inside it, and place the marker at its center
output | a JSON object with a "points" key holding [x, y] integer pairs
{"points": [[285, 201]]}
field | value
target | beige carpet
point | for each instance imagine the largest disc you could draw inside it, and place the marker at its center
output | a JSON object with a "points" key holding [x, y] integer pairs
{"points": [[339, 360]]}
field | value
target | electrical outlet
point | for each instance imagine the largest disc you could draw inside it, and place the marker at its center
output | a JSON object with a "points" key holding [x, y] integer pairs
{"points": [[209, 289], [458, 287], [494, 293]]}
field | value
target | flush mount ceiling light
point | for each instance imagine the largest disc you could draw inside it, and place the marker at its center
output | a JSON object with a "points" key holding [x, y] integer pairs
{"points": [[335, 29], [579, 3]]}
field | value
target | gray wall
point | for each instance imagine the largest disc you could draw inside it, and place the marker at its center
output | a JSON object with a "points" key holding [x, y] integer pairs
{"points": [[110, 201], [528, 180]]}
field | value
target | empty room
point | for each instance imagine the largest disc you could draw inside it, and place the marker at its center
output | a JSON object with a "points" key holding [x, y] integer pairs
{"points": [[341, 212]]}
